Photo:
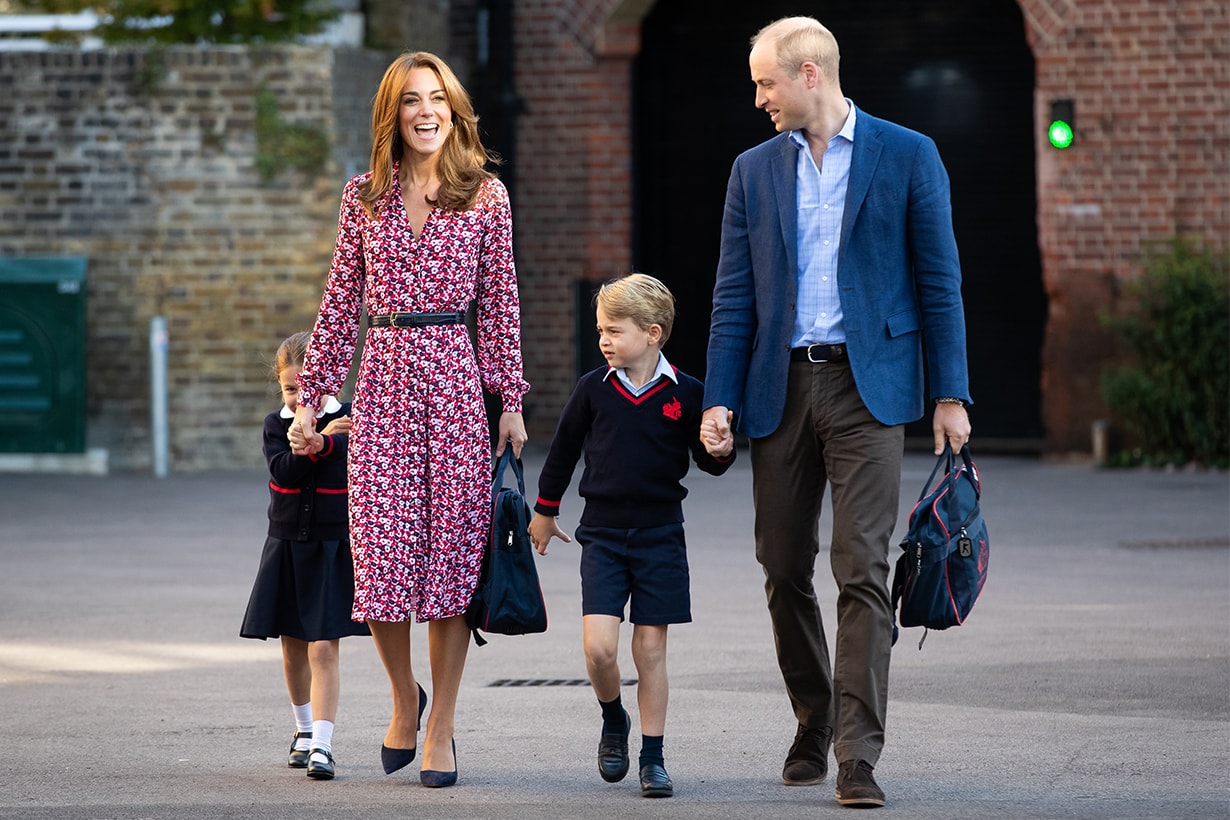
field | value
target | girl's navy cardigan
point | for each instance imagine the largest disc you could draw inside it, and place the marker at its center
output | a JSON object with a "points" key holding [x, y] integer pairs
{"points": [[307, 494]]}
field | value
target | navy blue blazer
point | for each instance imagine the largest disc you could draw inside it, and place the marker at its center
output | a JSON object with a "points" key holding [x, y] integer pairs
{"points": [[898, 276]]}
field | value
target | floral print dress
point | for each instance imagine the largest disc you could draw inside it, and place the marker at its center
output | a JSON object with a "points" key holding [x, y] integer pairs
{"points": [[420, 465]]}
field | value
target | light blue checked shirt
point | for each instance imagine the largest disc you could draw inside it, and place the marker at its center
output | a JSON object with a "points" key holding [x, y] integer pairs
{"points": [[821, 203]]}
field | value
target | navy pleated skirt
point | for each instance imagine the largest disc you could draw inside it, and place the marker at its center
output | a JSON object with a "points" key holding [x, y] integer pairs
{"points": [[304, 590]]}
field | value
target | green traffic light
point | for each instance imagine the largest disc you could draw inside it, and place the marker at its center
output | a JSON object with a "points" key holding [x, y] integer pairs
{"points": [[1060, 134]]}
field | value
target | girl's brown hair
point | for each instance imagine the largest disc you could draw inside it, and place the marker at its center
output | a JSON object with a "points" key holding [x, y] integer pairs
{"points": [[291, 352], [463, 159]]}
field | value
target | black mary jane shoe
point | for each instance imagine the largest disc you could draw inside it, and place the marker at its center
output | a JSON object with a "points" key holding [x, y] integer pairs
{"points": [[298, 758], [655, 782], [394, 759], [319, 769]]}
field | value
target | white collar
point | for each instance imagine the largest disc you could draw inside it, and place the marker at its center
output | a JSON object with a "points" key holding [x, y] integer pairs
{"points": [[664, 369]]}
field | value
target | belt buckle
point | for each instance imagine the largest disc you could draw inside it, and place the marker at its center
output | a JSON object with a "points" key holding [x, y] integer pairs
{"points": [[809, 355]]}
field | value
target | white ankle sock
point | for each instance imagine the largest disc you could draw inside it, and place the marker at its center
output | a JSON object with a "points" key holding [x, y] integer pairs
{"points": [[303, 723], [322, 735]]}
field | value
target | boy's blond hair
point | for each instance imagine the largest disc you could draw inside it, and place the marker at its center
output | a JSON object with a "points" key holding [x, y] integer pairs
{"points": [[641, 298]]}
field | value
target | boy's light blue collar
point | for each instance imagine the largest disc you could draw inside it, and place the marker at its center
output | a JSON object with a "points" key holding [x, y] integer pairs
{"points": [[663, 369]]}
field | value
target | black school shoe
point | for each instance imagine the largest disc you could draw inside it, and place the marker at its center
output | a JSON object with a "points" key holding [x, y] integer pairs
{"points": [[856, 787], [655, 782], [318, 768], [613, 753]]}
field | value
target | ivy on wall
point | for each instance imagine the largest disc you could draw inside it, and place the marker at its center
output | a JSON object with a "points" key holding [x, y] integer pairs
{"points": [[281, 145]]}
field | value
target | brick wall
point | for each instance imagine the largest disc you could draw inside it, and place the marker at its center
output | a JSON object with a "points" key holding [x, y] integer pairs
{"points": [[146, 168], [143, 163], [1151, 85], [574, 206]]}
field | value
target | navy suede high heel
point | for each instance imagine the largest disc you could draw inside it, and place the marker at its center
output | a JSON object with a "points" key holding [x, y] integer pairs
{"points": [[439, 780], [394, 759]]}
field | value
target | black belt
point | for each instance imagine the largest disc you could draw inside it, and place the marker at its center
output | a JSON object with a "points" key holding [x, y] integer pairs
{"points": [[818, 353], [415, 319]]}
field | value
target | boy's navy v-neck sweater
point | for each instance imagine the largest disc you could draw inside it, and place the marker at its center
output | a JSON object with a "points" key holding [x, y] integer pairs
{"points": [[636, 451]]}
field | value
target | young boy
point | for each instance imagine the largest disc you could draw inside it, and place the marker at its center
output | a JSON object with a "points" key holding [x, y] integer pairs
{"points": [[636, 420]]}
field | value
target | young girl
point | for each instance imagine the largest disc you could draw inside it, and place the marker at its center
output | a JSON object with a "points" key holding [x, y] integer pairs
{"points": [[304, 588]]}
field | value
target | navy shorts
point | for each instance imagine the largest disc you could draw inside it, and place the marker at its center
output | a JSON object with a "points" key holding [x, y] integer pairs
{"points": [[649, 564]]}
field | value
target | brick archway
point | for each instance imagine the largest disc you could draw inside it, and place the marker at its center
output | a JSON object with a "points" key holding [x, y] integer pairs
{"points": [[1152, 158]]}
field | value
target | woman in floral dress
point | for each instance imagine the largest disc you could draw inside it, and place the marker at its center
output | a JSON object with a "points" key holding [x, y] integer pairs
{"points": [[422, 235]]}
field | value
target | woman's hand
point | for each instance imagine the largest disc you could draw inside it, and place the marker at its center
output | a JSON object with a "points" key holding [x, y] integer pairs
{"points": [[512, 429], [302, 430]]}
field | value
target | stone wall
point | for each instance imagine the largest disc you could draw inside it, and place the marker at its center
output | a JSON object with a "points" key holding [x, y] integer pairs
{"points": [[144, 163]]}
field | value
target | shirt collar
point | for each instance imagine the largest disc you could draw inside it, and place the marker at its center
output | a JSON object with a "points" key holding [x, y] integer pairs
{"points": [[663, 369], [332, 405], [847, 128]]}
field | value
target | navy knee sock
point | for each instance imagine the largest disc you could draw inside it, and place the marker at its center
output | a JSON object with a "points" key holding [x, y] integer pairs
{"points": [[613, 721], [651, 750]]}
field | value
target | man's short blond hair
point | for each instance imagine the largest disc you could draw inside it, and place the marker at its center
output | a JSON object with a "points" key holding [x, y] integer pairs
{"points": [[640, 298], [799, 40]]}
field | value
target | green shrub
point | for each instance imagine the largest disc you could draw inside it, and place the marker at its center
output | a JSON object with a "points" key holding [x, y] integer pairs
{"points": [[281, 145], [1172, 391]]}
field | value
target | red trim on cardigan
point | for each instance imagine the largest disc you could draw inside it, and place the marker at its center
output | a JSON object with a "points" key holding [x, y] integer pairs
{"points": [[662, 383]]}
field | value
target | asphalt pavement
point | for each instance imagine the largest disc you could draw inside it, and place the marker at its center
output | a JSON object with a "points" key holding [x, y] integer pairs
{"points": [[1092, 679]]}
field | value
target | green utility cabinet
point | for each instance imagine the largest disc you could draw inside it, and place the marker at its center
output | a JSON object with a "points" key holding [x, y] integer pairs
{"points": [[42, 354]]}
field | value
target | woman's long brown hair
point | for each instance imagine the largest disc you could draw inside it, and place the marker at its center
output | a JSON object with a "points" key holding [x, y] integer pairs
{"points": [[463, 159]]}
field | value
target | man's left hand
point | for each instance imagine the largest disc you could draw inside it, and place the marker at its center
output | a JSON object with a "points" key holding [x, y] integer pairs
{"points": [[950, 424]]}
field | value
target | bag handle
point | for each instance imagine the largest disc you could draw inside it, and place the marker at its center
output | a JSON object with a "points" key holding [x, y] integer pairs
{"points": [[945, 460], [497, 472], [971, 475]]}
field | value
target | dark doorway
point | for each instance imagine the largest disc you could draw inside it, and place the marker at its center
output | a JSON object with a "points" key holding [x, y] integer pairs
{"points": [[959, 71]]}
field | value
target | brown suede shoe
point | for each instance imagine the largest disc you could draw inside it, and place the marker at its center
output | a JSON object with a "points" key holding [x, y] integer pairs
{"points": [[807, 762], [856, 787]]}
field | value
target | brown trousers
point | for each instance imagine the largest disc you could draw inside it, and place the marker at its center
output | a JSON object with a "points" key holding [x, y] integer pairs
{"points": [[827, 435]]}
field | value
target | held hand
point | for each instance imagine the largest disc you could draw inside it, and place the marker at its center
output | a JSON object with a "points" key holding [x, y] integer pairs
{"points": [[302, 429], [715, 444], [716, 433], [337, 427], [512, 429], [304, 444], [542, 528], [950, 424]]}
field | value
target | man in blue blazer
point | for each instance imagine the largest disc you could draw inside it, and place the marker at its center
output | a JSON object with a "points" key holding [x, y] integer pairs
{"points": [[838, 278]]}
